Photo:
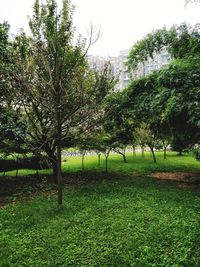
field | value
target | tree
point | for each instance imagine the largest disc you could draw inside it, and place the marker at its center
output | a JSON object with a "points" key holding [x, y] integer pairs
{"points": [[84, 144], [181, 41], [181, 82], [187, 2], [12, 122], [60, 95], [5, 60], [12, 131], [118, 125], [168, 99], [147, 137], [196, 152]]}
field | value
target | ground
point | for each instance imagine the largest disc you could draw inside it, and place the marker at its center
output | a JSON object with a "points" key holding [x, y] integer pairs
{"points": [[185, 170], [124, 218]]}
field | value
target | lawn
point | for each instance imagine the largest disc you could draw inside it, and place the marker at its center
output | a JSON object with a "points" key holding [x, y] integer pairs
{"points": [[119, 220], [135, 164]]}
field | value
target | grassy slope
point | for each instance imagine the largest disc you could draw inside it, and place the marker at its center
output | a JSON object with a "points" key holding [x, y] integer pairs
{"points": [[126, 221]]}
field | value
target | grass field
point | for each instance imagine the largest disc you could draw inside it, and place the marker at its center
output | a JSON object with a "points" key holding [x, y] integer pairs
{"points": [[119, 220], [135, 164]]}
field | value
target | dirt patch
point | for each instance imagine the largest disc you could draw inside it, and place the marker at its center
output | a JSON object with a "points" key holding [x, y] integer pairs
{"points": [[186, 180], [174, 176]]}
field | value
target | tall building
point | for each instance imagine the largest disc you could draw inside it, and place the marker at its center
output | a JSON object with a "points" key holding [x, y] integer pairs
{"points": [[120, 70], [96, 62], [159, 60]]}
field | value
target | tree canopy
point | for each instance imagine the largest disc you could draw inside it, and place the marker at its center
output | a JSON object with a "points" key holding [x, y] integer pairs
{"points": [[180, 41]]}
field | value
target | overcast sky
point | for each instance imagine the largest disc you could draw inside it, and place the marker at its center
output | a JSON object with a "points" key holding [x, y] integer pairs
{"points": [[122, 22]]}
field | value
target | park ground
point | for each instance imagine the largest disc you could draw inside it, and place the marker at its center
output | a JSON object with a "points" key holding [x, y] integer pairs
{"points": [[139, 214]]}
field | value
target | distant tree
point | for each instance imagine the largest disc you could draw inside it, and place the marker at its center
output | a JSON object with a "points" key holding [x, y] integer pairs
{"points": [[100, 142], [118, 125], [106, 147], [84, 144], [191, 2], [196, 152], [148, 137], [90, 141]]}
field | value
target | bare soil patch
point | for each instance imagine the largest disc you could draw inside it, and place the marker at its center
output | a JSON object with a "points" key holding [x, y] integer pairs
{"points": [[174, 176], [186, 180]]}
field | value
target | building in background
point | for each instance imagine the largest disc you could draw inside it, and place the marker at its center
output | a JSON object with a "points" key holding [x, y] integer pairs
{"points": [[120, 70], [159, 60]]}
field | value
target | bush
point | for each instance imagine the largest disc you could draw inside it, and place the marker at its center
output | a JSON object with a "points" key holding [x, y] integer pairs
{"points": [[34, 162], [196, 152]]}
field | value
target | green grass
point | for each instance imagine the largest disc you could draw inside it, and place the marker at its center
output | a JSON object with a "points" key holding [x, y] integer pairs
{"points": [[126, 221], [135, 164], [121, 220]]}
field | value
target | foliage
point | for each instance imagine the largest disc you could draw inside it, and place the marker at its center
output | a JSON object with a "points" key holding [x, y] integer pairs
{"points": [[31, 163], [168, 101], [181, 41], [117, 122], [5, 53], [196, 152], [187, 2], [13, 132]]}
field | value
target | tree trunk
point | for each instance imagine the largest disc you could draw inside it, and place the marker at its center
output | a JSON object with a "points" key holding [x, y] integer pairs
{"points": [[17, 169], [99, 159], [106, 156], [165, 152], [124, 158], [55, 176], [134, 152], [153, 154], [59, 175], [59, 161], [37, 172], [142, 149], [83, 157], [124, 155]]}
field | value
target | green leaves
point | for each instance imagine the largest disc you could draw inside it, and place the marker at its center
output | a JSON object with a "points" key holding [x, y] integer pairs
{"points": [[169, 102], [181, 41]]}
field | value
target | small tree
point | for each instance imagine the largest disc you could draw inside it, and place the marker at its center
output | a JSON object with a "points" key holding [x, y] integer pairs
{"points": [[148, 137], [106, 147], [118, 124]]}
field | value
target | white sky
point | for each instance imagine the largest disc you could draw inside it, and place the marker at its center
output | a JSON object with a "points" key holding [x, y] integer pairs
{"points": [[122, 22]]}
